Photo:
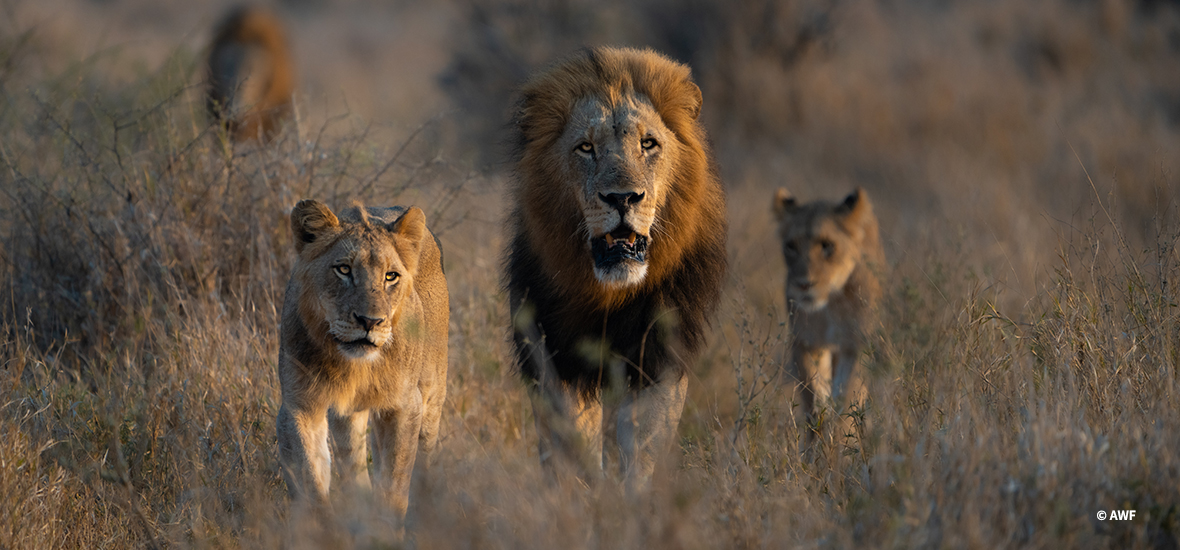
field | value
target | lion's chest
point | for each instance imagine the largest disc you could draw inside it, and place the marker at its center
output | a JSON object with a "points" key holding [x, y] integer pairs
{"points": [[378, 384], [836, 325]]}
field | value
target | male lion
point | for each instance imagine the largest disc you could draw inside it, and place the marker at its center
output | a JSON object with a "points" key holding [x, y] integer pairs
{"points": [[617, 253], [364, 344], [250, 77], [832, 292]]}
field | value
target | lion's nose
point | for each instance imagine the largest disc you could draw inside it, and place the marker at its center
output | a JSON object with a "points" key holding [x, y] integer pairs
{"points": [[803, 285], [621, 201], [367, 322]]}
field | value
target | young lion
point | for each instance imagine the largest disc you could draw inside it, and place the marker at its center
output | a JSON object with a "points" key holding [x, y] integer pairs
{"points": [[831, 251], [363, 344], [250, 74]]}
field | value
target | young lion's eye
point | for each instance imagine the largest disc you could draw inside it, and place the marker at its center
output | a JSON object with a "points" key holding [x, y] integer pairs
{"points": [[828, 247], [649, 143], [586, 147], [343, 270], [392, 277]]}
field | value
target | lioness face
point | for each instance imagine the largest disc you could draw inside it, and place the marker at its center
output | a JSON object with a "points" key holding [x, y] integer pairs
{"points": [[619, 159], [363, 283], [820, 246], [357, 275]]}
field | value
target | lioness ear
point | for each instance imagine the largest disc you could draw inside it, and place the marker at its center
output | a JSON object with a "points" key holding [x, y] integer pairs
{"points": [[411, 227], [310, 219], [784, 203]]}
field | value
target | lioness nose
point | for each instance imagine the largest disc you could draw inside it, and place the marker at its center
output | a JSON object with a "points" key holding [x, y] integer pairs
{"points": [[621, 201], [803, 285], [367, 322]]}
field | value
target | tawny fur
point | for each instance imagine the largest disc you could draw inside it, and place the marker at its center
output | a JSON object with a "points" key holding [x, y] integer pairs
{"points": [[250, 74], [371, 265], [605, 121], [832, 251]]}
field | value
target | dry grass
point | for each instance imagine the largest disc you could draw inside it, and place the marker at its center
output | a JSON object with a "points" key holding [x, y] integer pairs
{"points": [[1024, 376]]}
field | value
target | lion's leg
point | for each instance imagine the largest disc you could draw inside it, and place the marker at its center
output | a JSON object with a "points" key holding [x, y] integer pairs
{"points": [[303, 452], [350, 449], [432, 409], [569, 428], [814, 372], [847, 385], [395, 446], [647, 425]]}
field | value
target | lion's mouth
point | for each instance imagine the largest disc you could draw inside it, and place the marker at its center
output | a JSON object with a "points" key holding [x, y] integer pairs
{"points": [[360, 346], [807, 301], [622, 244]]}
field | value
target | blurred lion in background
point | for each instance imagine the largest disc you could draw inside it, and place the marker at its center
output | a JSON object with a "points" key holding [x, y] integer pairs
{"points": [[617, 255], [250, 75], [831, 251]]}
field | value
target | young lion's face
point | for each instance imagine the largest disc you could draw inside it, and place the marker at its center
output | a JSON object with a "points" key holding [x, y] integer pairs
{"points": [[619, 159], [361, 282], [821, 245], [355, 277]]}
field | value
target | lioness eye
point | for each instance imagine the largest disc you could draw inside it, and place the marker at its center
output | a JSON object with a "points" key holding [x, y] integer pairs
{"points": [[648, 143], [343, 270], [391, 277], [586, 147], [828, 247]]}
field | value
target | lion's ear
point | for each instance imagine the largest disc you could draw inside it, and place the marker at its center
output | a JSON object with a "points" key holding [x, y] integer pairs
{"points": [[310, 220], [411, 228], [694, 92], [784, 203], [856, 208]]}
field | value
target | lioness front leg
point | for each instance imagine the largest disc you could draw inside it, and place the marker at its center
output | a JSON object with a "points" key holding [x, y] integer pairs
{"points": [[432, 409], [395, 447], [350, 449], [647, 425], [303, 452]]}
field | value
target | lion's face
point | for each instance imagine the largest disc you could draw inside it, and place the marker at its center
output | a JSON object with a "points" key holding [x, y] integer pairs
{"points": [[821, 244], [355, 275], [619, 160]]}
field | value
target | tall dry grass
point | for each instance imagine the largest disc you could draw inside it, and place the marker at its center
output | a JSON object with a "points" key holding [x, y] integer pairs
{"points": [[1023, 376]]}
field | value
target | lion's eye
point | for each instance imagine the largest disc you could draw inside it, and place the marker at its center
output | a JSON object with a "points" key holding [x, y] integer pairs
{"points": [[649, 143], [392, 277], [828, 247], [586, 147], [791, 248], [343, 270]]}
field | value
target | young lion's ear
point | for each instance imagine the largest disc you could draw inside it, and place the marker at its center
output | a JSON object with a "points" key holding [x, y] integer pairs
{"points": [[310, 219], [784, 203], [856, 208], [411, 228], [855, 201]]}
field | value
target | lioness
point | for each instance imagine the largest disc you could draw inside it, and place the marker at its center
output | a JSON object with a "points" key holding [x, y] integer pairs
{"points": [[363, 345], [832, 291], [617, 253], [250, 76]]}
